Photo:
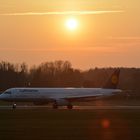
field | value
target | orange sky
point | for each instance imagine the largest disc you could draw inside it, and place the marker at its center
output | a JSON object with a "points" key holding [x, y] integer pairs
{"points": [[108, 32]]}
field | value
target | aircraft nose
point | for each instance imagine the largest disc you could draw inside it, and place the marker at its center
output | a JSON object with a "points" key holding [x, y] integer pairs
{"points": [[2, 97]]}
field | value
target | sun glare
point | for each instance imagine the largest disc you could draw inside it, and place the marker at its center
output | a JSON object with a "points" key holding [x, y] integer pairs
{"points": [[71, 24]]}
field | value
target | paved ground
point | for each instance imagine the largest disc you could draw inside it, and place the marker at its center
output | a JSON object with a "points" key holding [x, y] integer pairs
{"points": [[82, 123], [76, 107]]}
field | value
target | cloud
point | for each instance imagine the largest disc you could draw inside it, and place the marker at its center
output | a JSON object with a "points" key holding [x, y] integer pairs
{"points": [[61, 13], [124, 38]]}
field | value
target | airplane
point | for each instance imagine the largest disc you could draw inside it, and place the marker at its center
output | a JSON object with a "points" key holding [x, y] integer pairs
{"points": [[61, 96]]}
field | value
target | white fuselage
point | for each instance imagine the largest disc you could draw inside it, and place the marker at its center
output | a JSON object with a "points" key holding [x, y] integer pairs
{"points": [[53, 94]]}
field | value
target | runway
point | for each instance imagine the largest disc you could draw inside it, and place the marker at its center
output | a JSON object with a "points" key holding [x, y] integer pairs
{"points": [[82, 123], [75, 107]]}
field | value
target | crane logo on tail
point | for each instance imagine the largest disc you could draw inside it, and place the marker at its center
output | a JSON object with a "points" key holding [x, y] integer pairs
{"points": [[114, 79]]}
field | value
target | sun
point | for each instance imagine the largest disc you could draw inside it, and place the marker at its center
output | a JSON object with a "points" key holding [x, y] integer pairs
{"points": [[71, 24]]}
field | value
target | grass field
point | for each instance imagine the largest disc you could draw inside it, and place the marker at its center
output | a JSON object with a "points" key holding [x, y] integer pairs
{"points": [[43, 124]]}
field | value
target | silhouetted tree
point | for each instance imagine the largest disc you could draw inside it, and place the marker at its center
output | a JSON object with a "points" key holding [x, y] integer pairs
{"points": [[62, 74]]}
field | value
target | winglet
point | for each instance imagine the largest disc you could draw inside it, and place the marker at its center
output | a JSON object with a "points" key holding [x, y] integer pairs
{"points": [[113, 81]]}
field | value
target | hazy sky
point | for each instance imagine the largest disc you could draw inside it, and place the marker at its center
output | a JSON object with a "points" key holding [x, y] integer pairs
{"points": [[107, 34]]}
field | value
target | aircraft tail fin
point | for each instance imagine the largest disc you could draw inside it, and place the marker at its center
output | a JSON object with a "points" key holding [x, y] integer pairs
{"points": [[113, 81]]}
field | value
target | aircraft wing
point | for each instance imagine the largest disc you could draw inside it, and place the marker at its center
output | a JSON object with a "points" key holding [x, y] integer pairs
{"points": [[83, 97]]}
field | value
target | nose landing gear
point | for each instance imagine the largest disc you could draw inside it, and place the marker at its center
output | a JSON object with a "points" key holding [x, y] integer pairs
{"points": [[14, 106]]}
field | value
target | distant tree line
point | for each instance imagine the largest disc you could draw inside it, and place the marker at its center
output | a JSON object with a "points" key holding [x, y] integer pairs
{"points": [[62, 74]]}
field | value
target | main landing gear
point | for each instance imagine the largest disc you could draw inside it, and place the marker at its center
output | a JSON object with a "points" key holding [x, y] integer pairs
{"points": [[69, 106], [55, 106]]}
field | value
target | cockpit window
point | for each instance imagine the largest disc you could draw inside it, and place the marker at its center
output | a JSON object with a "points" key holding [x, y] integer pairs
{"points": [[7, 92]]}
